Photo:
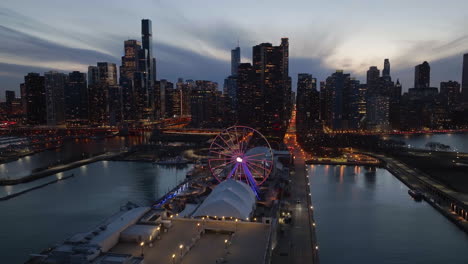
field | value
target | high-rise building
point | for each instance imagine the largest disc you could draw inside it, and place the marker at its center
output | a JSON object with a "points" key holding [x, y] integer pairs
{"points": [[235, 60], [450, 94], [93, 75], [99, 93], [9, 99], [133, 96], [386, 69], [307, 104], [246, 95], [344, 96], [114, 100], [76, 99], [203, 104], [130, 59], [55, 98], [422, 75], [271, 65], [107, 73], [35, 99], [148, 65], [373, 75], [465, 78]]}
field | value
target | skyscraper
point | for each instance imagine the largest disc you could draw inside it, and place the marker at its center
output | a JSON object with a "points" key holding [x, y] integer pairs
{"points": [[373, 75], [307, 103], [465, 78], [55, 99], [148, 66], [99, 93], [386, 69], [131, 94], [76, 99], [9, 98], [344, 101], [271, 65], [450, 94], [130, 59], [247, 88], [235, 60], [107, 73], [422, 75], [35, 99]]}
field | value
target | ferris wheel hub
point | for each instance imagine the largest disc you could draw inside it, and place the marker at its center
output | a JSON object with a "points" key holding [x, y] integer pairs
{"points": [[239, 159]]}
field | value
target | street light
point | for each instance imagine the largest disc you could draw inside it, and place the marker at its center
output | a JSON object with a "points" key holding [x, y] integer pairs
{"points": [[142, 244], [173, 258], [225, 243], [181, 247]]}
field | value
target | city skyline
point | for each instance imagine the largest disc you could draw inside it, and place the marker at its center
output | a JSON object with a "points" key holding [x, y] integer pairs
{"points": [[318, 45]]}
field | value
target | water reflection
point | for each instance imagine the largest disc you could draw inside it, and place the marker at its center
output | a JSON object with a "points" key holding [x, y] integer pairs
{"points": [[368, 217], [76, 204]]}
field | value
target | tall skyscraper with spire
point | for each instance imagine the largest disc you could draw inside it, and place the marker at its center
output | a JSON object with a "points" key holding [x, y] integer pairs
{"points": [[235, 60], [148, 66]]}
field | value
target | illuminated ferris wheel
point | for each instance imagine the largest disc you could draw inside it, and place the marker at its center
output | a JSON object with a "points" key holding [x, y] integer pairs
{"points": [[241, 153]]}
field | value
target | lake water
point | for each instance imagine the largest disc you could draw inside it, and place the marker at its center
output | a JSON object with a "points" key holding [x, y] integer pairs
{"points": [[36, 220], [368, 217]]}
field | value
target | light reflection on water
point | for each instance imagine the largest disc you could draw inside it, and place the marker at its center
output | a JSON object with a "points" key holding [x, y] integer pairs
{"points": [[368, 217], [33, 221]]}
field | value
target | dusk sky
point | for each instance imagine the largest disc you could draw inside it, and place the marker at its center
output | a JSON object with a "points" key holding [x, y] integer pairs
{"points": [[192, 39]]}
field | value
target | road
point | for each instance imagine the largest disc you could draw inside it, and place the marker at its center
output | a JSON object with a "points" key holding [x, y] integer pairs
{"points": [[299, 243]]}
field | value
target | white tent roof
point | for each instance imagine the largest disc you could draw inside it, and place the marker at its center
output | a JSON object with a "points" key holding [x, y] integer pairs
{"points": [[230, 198]]}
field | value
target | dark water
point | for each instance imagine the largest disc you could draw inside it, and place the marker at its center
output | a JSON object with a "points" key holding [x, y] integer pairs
{"points": [[372, 219], [38, 219], [457, 141], [70, 150]]}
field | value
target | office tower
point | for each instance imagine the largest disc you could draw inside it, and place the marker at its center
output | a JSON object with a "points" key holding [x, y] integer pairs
{"points": [[344, 101], [247, 87], [378, 112], [93, 75], [307, 104], [235, 60], [99, 93], [386, 69], [107, 73], [130, 60], [203, 104], [422, 75], [147, 66], [114, 99], [164, 91], [76, 99], [9, 98], [450, 94], [55, 98], [271, 64], [177, 101], [35, 99], [373, 75], [230, 84], [395, 105], [128, 70], [465, 78], [326, 96]]}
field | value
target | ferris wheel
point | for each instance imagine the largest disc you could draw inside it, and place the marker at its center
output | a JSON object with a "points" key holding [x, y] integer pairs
{"points": [[241, 153]]}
